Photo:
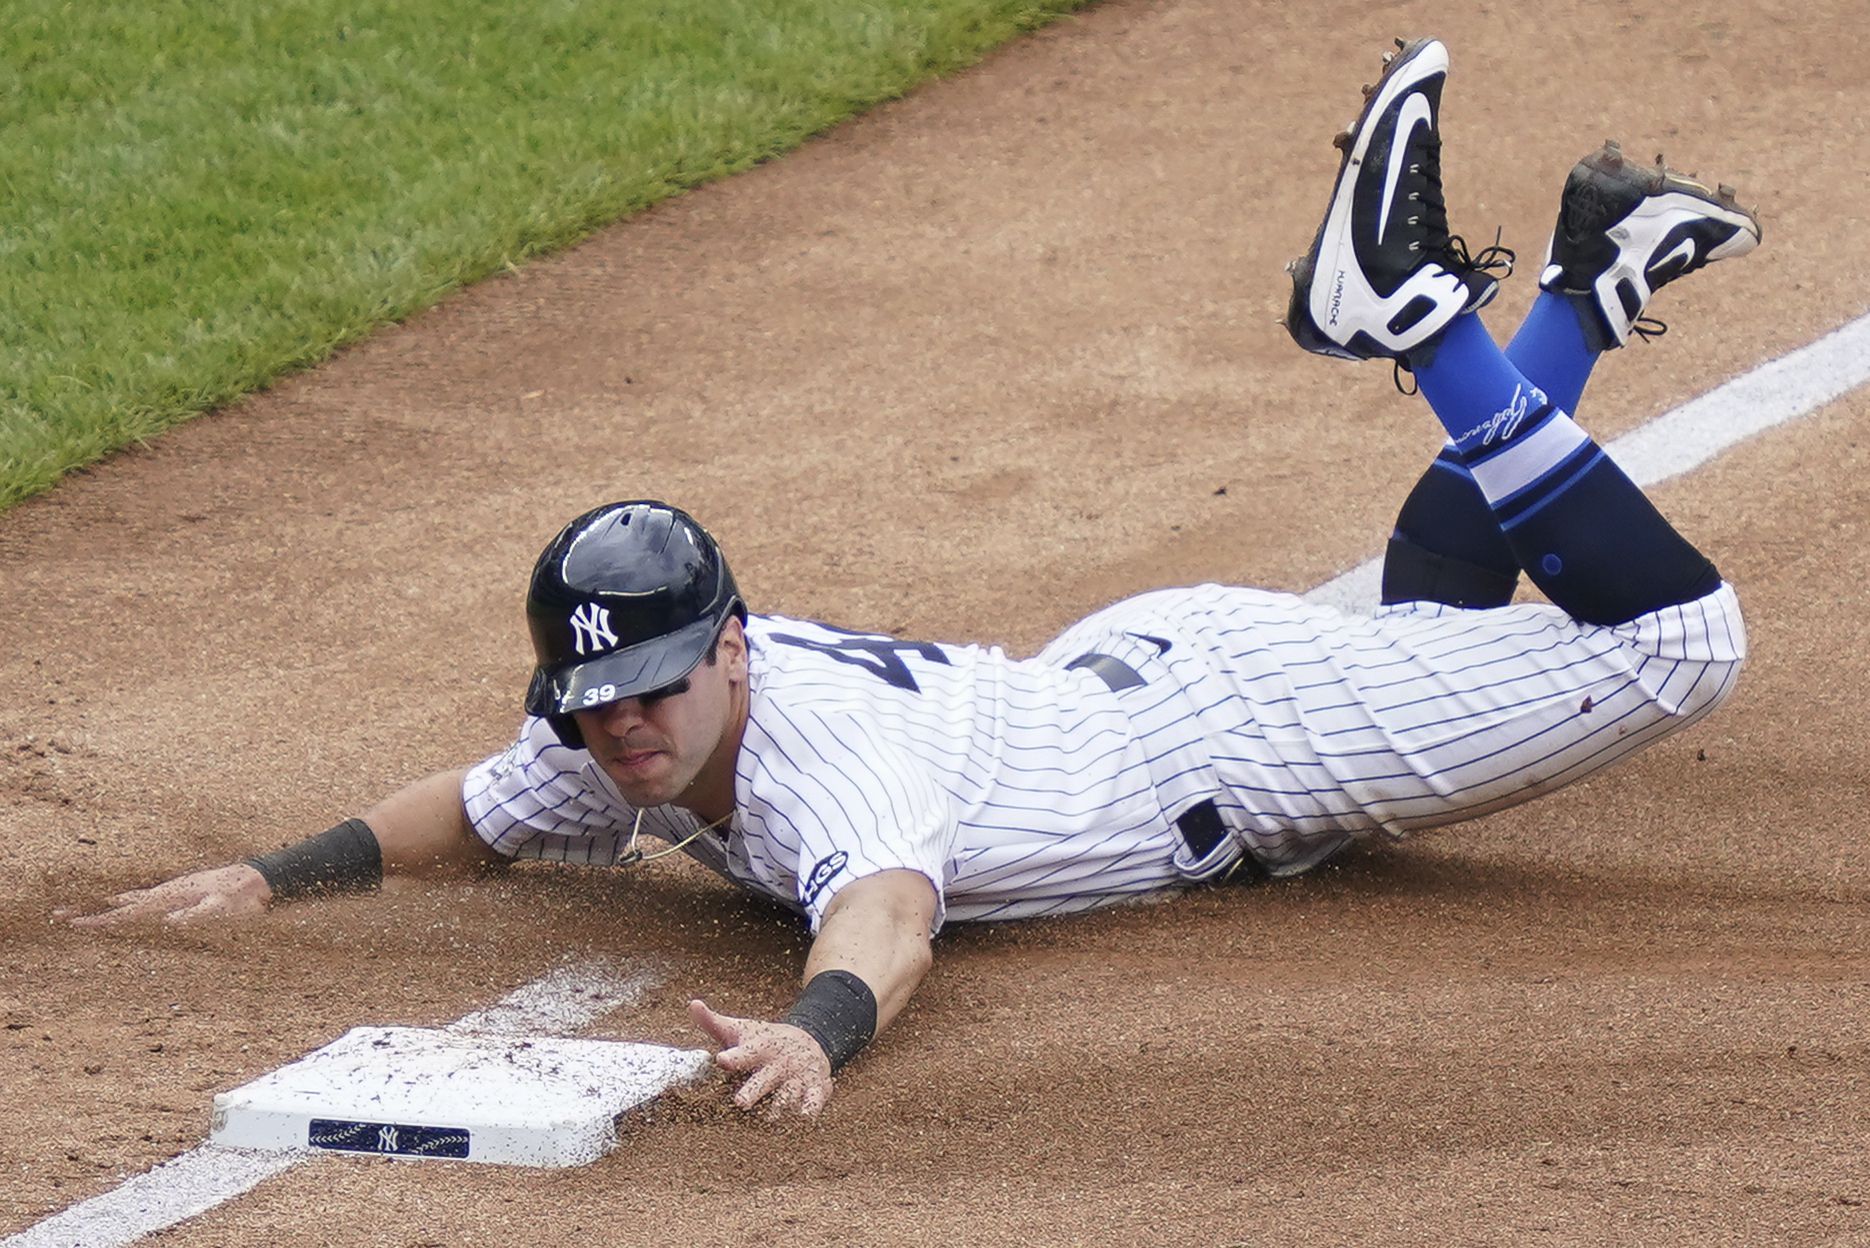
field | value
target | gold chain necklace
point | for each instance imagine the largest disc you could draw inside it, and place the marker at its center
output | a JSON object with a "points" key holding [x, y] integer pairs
{"points": [[632, 856]]}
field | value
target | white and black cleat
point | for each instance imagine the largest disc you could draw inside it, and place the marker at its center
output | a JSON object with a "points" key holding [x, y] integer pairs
{"points": [[1384, 277], [1626, 229]]}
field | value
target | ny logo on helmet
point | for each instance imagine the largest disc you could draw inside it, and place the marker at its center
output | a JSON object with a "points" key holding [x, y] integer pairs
{"points": [[590, 626]]}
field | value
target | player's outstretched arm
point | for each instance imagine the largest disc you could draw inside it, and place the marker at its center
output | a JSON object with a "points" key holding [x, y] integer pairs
{"points": [[419, 829], [871, 953]]}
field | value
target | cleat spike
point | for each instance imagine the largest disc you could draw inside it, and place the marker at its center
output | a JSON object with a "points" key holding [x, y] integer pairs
{"points": [[1342, 140], [1726, 194], [1368, 90]]}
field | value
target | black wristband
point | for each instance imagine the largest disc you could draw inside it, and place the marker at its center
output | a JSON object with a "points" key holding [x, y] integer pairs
{"points": [[838, 1010], [341, 859]]}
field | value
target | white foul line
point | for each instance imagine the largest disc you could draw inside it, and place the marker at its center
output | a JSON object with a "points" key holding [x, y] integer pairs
{"points": [[176, 1190], [568, 999], [562, 1000], [1780, 390]]}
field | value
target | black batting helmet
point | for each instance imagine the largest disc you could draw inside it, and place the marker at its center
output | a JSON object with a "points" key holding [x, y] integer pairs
{"points": [[626, 599]]}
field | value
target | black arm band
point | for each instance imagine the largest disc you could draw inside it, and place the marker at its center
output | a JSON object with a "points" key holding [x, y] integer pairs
{"points": [[343, 859], [838, 1010]]}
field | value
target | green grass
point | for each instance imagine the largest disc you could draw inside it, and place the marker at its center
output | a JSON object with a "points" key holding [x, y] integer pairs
{"points": [[195, 200]]}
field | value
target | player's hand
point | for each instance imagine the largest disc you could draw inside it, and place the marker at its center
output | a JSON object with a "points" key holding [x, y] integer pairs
{"points": [[221, 893], [783, 1064]]}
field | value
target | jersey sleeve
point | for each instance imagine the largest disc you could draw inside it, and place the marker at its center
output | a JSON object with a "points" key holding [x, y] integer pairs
{"points": [[834, 804], [542, 799]]}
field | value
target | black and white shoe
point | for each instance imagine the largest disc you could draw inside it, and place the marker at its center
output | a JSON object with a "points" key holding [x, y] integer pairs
{"points": [[1625, 230], [1384, 276]]}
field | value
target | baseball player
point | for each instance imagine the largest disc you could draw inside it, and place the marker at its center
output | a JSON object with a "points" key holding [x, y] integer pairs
{"points": [[883, 787]]}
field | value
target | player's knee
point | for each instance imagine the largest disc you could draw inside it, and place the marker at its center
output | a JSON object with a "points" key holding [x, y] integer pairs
{"points": [[1722, 678], [1723, 629], [1737, 627], [1691, 654]]}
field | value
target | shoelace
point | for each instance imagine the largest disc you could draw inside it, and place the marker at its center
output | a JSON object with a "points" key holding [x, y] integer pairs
{"points": [[1434, 207], [1454, 253], [1648, 327], [1493, 258], [1434, 215]]}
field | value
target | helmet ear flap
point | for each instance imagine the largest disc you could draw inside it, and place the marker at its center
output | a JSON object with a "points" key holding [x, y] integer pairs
{"points": [[569, 734]]}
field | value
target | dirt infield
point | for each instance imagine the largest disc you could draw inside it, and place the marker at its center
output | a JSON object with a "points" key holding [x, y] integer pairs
{"points": [[967, 368]]}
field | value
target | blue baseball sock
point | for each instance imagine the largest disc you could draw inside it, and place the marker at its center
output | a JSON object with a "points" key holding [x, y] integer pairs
{"points": [[1447, 546], [1550, 349], [1581, 529]]}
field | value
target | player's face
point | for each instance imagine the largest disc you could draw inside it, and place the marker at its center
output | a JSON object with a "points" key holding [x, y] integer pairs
{"points": [[658, 747]]}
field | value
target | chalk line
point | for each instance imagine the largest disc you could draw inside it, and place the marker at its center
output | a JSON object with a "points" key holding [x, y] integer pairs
{"points": [[173, 1192], [1681, 439], [565, 1000]]}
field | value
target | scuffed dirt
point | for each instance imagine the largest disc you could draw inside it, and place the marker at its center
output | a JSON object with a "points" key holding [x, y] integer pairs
{"points": [[966, 368]]}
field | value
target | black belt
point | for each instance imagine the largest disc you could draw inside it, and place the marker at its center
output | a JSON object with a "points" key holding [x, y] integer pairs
{"points": [[1200, 825]]}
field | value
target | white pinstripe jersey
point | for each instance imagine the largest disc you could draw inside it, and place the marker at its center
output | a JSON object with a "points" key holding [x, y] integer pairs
{"points": [[1023, 788]]}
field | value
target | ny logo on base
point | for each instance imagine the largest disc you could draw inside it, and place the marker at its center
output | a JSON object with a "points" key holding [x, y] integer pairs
{"points": [[590, 626], [401, 1139]]}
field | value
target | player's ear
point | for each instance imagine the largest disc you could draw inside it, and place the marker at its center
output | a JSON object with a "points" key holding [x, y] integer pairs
{"points": [[733, 648]]}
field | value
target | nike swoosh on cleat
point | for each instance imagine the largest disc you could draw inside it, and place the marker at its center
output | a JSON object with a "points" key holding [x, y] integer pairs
{"points": [[1415, 112], [1162, 644], [1684, 250]]}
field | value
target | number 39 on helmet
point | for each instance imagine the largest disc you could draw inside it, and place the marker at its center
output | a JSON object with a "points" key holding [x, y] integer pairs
{"points": [[627, 598]]}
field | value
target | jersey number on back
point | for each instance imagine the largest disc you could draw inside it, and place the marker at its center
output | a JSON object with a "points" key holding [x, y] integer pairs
{"points": [[880, 656]]}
